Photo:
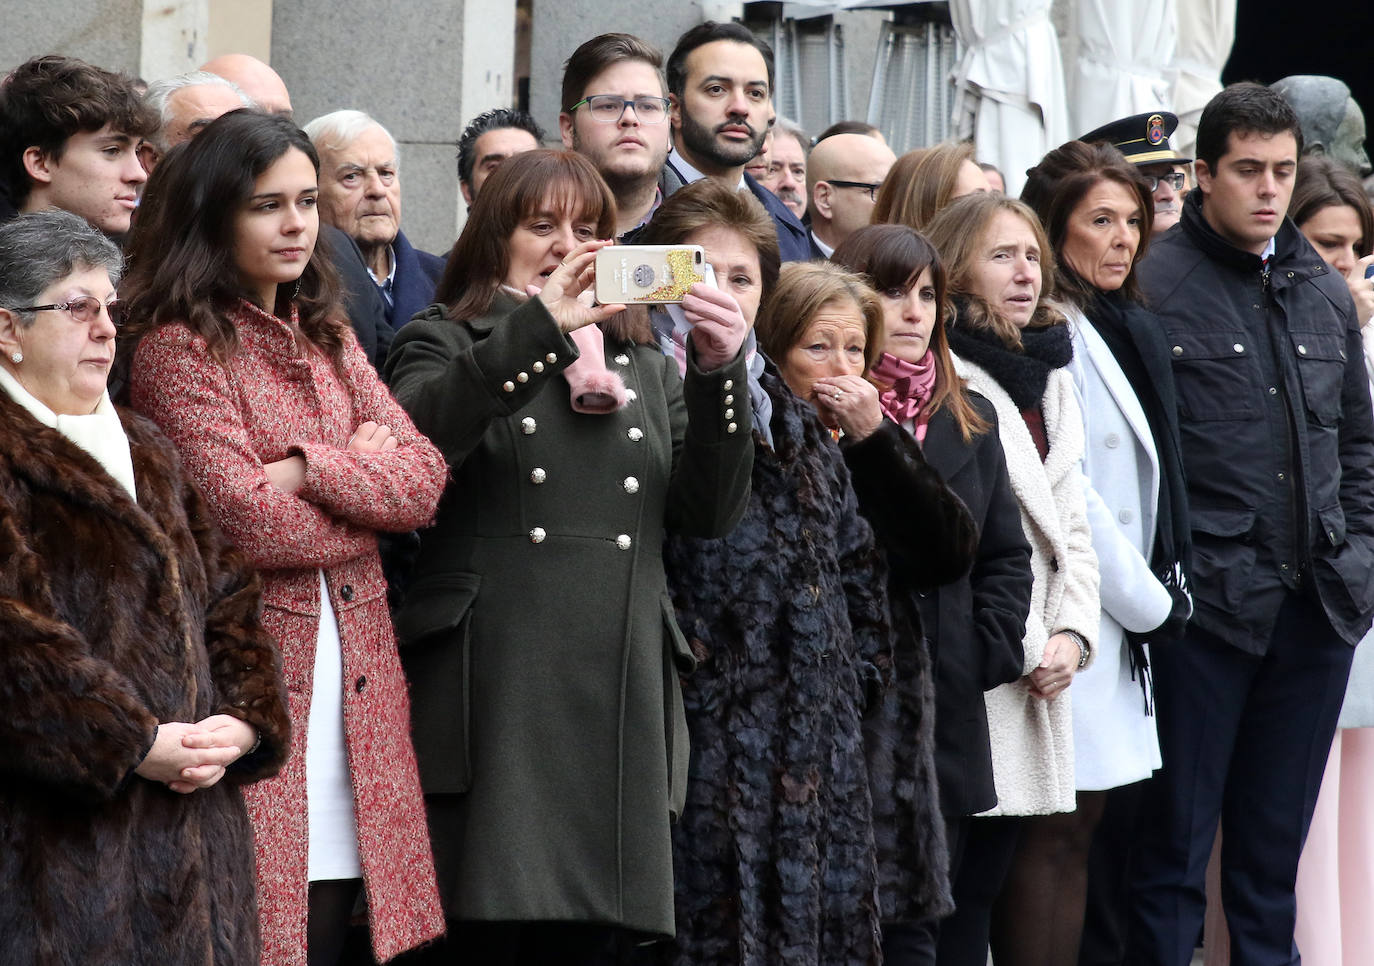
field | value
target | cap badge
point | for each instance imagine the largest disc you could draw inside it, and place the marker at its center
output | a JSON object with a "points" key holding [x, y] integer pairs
{"points": [[1154, 129]]}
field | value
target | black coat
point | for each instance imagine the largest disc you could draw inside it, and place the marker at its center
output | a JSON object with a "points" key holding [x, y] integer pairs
{"points": [[1278, 444], [974, 624], [774, 860], [929, 538], [362, 299]]}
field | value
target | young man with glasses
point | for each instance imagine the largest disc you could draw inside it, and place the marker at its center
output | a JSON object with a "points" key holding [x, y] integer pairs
{"points": [[615, 112], [1144, 140], [842, 179]]}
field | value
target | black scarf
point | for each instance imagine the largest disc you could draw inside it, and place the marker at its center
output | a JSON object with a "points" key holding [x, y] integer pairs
{"points": [[1138, 343], [1022, 374]]}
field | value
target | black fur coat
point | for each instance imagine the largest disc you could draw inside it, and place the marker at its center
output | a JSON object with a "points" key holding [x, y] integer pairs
{"points": [[774, 857], [113, 617]]}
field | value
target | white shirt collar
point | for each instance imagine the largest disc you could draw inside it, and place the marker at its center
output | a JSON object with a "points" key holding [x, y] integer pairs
{"points": [[826, 250], [1268, 252], [689, 174], [390, 280]]}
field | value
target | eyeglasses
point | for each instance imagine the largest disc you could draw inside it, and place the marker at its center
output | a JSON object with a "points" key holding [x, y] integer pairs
{"points": [[83, 309], [870, 187], [610, 108], [1175, 180]]}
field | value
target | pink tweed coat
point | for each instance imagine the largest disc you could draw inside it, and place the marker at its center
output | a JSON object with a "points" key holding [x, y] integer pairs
{"points": [[273, 401]]}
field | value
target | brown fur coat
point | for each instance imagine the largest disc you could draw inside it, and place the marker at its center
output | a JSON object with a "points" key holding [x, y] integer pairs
{"points": [[113, 617]]}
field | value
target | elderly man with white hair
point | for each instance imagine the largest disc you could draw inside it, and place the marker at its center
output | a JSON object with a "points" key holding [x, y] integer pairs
{"points": [[360, 194], [185, 104]]}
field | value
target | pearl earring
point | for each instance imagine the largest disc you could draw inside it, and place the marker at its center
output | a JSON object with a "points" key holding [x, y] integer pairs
{"points": [[17, 357]]}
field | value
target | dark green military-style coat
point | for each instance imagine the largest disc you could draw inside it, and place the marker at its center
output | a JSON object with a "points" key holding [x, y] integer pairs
{"points": [[537, 635]]}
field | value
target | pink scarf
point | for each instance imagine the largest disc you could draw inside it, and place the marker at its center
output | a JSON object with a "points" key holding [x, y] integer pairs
{"points": [[904, 388], [595, 389]]}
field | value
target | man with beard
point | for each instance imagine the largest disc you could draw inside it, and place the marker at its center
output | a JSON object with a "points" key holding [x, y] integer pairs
{"points": [[615, 113], [1144, 140], [720, 86], [786, 176]]}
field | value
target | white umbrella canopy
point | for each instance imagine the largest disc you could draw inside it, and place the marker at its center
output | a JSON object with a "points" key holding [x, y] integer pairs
{"points": [[1206, 31], [1124, 50], [1010, 83]]}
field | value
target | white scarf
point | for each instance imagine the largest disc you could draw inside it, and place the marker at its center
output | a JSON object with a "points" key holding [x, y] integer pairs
{"points": [[100, 434]]}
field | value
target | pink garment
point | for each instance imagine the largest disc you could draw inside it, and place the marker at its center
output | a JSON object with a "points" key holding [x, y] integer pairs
{"points": [[594, 388], [1335, 887], [904, 388]]}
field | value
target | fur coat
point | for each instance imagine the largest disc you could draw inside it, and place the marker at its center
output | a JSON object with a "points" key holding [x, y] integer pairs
{"points": [[271, 402], [115, 616], [1032, 738], [774, 855]]}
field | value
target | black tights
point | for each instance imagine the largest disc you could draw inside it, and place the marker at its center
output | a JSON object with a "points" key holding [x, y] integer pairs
{"points": [[1038, 918], [331, 908]]}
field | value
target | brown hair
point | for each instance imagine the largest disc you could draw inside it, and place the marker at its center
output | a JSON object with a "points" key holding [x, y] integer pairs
{"points": [[1057, 186], [602, 52], [804, 289], [1324, 183], [920, 184], [959, 233], [523, 185], [45, 100], [892, 258], [709, 204], [181, 252]]}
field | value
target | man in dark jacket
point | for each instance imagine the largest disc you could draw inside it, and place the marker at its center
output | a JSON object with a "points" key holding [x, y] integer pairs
{"points": [[1278, 445], [720, 85]]}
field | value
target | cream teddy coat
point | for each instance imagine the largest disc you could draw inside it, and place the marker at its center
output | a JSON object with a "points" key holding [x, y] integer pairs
{"points": [[1032, 739]]}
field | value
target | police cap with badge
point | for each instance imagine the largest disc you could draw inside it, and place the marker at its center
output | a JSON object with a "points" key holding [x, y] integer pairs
{"points": [[1142, 138]]}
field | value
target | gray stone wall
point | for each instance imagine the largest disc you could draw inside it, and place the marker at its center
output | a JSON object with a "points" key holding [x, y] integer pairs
{"points": [[401, 64], [108, 33]]}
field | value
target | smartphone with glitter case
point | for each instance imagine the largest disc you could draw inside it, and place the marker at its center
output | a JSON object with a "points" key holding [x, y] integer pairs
{"points": [[647, 274]]}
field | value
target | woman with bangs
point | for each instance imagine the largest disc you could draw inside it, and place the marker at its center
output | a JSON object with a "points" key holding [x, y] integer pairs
{"points": [[537, 633], [1013, 347], [972, 625]]}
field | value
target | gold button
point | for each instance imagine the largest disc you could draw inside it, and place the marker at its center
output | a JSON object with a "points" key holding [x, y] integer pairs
{"points": [[635, 434], [508, 386], [528, 425], [537, 535], [522, 377], [631, 485], [537, 475], [538, 366], [551, 358], [728, 384], [731, 428], [623, 541], [729, 414]]}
